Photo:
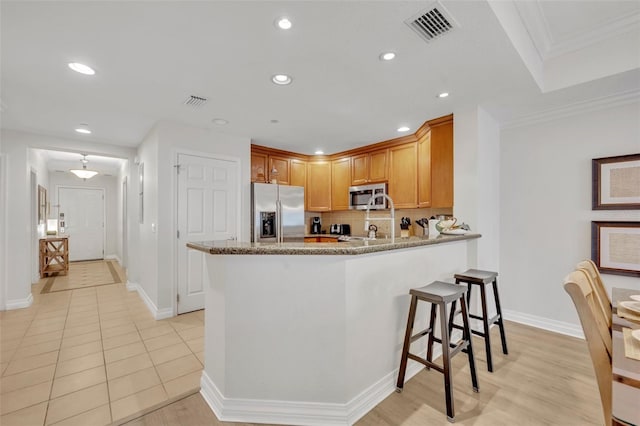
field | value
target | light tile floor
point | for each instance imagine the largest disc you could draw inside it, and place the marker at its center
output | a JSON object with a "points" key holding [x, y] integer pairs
{"points": [[94, 356]]}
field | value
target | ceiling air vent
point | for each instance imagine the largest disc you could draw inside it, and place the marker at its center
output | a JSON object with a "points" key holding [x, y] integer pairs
{"points": [[195, 101], [432, 23]]}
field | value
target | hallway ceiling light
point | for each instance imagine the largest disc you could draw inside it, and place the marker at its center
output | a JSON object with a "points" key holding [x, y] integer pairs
{"points": [[443, 95], [84, 173], [281, 79], [283, 23], [387, 56], [83, 128], [403, 129], [81, 68]]}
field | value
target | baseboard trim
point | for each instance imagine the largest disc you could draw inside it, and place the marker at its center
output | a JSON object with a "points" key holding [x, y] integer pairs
{"points": [[561, 327], [158, 314], [19, 303], [299, 412], [113, 257]]}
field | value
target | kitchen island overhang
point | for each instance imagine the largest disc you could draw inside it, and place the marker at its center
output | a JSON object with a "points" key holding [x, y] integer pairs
{"points": [[314, 339]]}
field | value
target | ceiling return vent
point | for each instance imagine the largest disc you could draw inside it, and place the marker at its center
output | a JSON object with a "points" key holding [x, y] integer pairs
{"points": [[195, 101], [432, 23]]}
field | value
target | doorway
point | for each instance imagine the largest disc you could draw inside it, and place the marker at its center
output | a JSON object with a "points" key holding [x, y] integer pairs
{"points": [[208, 191], [84, 217]]}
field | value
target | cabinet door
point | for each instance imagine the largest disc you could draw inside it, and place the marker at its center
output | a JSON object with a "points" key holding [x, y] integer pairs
{"points": [[318, 193], [298, 173], [378, 166], [340, 182], [360, 169], [281, 165], [424, 171], [259, 172], [442, 165], [403, 164]]}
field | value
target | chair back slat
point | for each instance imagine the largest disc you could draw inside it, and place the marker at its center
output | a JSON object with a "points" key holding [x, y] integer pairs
{"points": [[598, 338], [598, 286]]}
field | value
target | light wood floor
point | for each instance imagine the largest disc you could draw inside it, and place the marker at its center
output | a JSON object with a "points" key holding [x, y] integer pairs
{"points": [[547, 379]]}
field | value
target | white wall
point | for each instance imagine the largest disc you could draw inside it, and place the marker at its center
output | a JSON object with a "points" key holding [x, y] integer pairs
{"points": [[3, 227], [477, 181], [111, 191], [159, 153], [15, 149], [545, 208]]}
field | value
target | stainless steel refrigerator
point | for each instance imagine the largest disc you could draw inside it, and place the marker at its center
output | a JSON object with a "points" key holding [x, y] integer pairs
{"points": [[277, 213]]}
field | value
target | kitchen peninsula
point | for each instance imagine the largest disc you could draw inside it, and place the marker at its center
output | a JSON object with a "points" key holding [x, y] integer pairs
{"points": [[311, 334]]}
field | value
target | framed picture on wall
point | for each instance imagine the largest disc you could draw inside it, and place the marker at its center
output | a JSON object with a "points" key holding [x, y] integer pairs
{"points": [[141, 191], [616, 183], [42, 204], [615, 247]]}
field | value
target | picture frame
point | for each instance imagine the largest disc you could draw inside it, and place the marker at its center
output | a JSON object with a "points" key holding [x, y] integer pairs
{"points": [[42, 204], [615, 247], [141, 192], [616, 183]]}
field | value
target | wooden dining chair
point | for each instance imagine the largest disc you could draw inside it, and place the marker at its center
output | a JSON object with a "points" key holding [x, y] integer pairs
{"points": [[601, 292], [597, 335]]}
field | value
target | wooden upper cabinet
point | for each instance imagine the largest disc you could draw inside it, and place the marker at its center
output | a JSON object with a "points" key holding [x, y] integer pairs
{"points": [[403, 173], [378, 165], [259, 171], [298, 172], [360, 169], [369, 167], [442, 165], [281, 164], [340, 182], [424, 170], [318, 194]]}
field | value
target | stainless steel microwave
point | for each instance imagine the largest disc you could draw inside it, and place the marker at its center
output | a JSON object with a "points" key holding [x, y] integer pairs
{"points": [[359, 196]]}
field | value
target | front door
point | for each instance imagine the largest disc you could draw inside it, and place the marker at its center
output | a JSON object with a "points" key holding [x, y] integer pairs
{"points": [[83, 210], [207, 210]]}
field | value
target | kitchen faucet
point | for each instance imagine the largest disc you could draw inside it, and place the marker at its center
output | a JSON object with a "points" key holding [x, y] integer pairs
{"points": [[392, 218]]}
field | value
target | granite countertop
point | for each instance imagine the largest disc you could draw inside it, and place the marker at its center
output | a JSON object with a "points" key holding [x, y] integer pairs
{"points": [[353, 247]]}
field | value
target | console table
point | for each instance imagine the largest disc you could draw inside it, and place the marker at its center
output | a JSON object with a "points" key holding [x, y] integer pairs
{"points": [[54, 255]]}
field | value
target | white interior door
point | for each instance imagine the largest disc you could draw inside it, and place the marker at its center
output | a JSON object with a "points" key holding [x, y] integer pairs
{"points": [[207, 210], [83, 210]]}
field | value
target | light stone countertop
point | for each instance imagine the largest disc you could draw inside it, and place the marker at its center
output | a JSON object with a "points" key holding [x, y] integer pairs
{"points": [[353, 247]]}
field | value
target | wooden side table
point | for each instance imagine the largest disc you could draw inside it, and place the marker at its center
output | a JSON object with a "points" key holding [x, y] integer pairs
{"points": [[54, 256]]}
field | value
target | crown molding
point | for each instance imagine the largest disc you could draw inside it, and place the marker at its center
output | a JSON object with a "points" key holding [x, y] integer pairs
{"points": [[576, 108]]}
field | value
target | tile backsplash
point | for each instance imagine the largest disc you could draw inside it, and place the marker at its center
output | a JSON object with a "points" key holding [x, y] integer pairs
{"points": [[356, 219]]}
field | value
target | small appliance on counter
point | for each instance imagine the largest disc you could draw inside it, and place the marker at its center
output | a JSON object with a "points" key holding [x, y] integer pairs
{"points": [[316, 225], [340, 229]]}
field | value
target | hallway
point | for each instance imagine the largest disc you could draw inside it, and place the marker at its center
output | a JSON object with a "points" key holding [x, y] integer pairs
{"points": [[94, 356]]}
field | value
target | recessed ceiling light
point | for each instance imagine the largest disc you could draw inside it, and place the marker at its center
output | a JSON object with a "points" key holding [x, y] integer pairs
{"points": [[319, 152], [387, 56], [220, 121], [283, 23], [403, 129], [81, 68], [84, 129], [281, 79], [275, 121], [443, 95]]}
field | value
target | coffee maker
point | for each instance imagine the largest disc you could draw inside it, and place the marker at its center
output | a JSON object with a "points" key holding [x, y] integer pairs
{"points": [[316, 226]]}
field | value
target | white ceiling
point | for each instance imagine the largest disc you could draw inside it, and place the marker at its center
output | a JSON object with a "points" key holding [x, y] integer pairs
{"points": [[150, 56], [59, 161]]}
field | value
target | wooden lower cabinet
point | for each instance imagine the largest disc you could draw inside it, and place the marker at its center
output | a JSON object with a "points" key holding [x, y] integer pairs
{"points": [[320, 239], [340, 182], [318, 193], [403, 173]]}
